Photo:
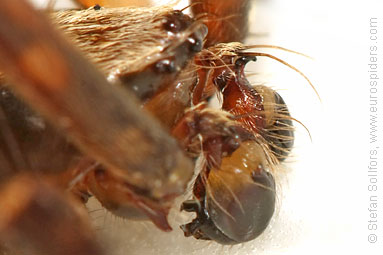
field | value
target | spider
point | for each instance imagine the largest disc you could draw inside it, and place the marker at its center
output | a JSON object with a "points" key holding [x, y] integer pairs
{"points": [[134, 121]]}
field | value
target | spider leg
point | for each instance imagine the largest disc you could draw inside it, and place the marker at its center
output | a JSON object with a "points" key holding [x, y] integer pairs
{"points": [[37, 219]]}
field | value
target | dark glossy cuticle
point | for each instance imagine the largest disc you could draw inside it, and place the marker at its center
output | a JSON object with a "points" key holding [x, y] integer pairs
{"points": [[172, 25], [244, 60], [166, 66], [195, 44], [263, 177], [176, 22], [281, 147], [212, 223], [97, 7]]}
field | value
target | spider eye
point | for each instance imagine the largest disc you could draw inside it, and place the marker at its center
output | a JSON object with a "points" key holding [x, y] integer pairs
{"points": [[176, 22]]}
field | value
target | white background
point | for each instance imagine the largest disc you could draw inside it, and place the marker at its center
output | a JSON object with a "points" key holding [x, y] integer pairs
{"points": [[323, 200]]}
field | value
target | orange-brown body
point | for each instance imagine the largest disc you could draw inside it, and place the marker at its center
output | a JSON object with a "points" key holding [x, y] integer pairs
{"points": [[117, 131]]}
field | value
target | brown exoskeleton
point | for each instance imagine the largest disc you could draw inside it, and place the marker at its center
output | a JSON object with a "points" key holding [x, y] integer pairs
{"points": [[117, 151]]}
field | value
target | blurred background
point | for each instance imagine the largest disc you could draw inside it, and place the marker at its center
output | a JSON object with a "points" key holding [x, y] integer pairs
{"points": [[323, 199]]}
